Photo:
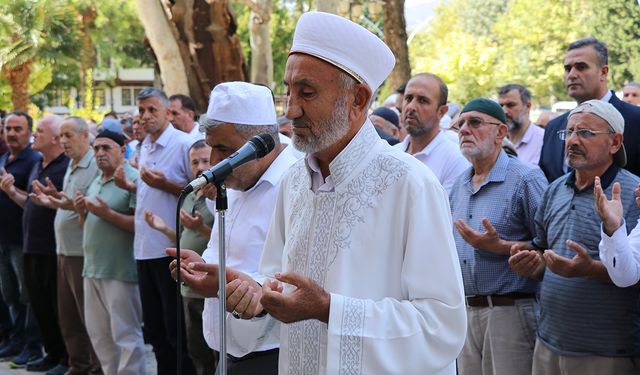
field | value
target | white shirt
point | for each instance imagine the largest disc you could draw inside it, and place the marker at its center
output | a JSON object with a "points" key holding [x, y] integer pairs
{"points": [[169, 154], [441, 156], [195, 133], [247, 222], [389, 263], [621, 255]]}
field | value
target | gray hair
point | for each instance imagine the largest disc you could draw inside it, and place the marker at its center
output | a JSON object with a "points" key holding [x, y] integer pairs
{"points": [[633, 84], [80, 126], [54, 123], [153, 92], [525, 95], [601, 49], [245, 131]]}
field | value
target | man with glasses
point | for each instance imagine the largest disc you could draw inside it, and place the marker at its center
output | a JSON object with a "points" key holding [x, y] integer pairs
{"points": [[586, 68], [425, 103], [587, 325], [493, 205]]}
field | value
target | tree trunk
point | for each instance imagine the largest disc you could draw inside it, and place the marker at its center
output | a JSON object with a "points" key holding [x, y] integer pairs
{"points": [[205, 35], [260, 40], [18, 79], [329, 6], [395, 35], [159, 32], [87, 55]]}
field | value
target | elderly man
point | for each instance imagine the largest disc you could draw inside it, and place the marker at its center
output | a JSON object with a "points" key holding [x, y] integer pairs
{"points": [[361, 295], [587, 325], [387, 124], [526, 136], [24, 343], [40, 268], [498, 193], [81, 171], [252, 197], [631, 93], [182, 113], [425, 102], [164, 170], [586, 68], [111, 298]]}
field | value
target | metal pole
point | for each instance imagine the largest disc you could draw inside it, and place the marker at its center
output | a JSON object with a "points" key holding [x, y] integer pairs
{"points": [[221, 207]]}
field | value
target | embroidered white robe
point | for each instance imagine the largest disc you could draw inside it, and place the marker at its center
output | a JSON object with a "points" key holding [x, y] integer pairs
{"points": [[382, 245]]}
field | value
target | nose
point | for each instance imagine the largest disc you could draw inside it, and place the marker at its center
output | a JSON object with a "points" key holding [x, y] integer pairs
{"points": [[293, 110]]}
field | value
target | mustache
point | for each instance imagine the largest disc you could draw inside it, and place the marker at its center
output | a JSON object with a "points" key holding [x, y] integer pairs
{"points": [[300, 123], [575, 149], [12, 138]]}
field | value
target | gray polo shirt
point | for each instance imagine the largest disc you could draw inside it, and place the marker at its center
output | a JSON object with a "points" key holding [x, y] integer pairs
{"points": [[581, 316], [67, 227]]}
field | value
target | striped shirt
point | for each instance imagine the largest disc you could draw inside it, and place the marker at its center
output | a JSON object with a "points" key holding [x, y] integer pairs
{"points": [[509, 198], [581, 316]]}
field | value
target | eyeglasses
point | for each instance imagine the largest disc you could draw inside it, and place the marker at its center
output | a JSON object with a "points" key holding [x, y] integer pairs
{"points": [[472, 122], [582, 133]]}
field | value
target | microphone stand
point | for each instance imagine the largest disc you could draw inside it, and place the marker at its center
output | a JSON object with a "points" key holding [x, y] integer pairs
{"points": [[221, 208]]}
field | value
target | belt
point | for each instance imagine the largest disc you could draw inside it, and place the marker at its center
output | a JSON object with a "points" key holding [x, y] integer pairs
{"points": [[497, 300]]}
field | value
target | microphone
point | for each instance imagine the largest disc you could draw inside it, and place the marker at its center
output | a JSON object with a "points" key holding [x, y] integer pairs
{"points": [[255, 148]]}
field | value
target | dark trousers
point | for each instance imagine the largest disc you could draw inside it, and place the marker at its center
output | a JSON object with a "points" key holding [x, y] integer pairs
{"points": [[5, 321], [263, 363], [159, 313], [40, 273], [204, 358]]}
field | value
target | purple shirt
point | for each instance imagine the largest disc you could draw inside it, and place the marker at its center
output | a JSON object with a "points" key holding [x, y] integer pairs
{"points": [[530, 145]]}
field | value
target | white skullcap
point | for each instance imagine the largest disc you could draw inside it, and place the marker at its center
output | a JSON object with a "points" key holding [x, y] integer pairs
{"points": [[612, 116], [241, 103], [346, 45]]}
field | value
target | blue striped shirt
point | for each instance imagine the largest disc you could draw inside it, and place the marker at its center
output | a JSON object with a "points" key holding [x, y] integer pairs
{"points": [[509, 198], [581, 316]]}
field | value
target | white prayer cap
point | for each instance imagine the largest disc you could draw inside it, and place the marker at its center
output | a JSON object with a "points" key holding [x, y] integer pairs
{"points": [[346, 45], [241, 103], [612, 116]]}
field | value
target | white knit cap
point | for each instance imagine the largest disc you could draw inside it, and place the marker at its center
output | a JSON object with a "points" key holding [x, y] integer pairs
{"points": [[612, 116], [346, 45], [242, 103]]}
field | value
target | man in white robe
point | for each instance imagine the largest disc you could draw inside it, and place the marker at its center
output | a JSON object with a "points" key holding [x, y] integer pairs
{"points": [[361, 246]]}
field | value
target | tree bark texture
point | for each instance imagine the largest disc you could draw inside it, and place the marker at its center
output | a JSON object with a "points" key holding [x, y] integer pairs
{"points": [[18, 78], [395, 35], [205, 32], [260, 41], [159, 33]]}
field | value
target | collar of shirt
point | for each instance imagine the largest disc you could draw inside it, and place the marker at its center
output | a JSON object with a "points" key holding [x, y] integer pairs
{"points": [[439, 138], [163, 140], [85, 161], [498, 173], [606, 179], [528, 135], [318, 183], [274, 173], [4, 158], [607, 96]]}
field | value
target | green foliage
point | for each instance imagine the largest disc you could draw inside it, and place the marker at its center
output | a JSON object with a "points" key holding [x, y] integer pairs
{"points": [[479, 45], [617, 23]]}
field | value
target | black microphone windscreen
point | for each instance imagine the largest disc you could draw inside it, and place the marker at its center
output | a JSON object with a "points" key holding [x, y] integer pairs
{"points": [[264, 144]]}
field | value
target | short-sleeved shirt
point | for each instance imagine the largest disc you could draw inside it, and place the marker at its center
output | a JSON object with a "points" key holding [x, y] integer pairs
{"points": [[108, 249], [169, 155], [67, 226], [191, 239], [37, 221], [443, 158], [19, 167], [581, 316], [509, 198]]}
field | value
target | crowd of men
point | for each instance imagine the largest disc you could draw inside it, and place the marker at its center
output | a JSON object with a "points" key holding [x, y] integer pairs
{"points": [[418, 238]]}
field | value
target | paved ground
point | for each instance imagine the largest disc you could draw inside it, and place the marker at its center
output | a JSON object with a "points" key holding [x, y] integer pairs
{"points": [[151, 366]]}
